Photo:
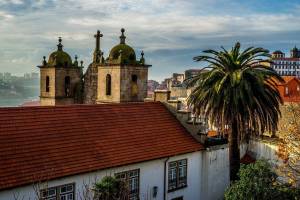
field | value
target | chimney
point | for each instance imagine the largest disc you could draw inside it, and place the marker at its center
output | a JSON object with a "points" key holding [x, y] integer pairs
{"points": [[162, 95]]}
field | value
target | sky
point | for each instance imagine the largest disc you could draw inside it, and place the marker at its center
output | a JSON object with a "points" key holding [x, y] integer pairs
{"points": [[170, 32]]}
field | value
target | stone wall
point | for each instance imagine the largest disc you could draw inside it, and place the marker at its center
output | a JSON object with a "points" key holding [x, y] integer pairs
{"points": [[75, 77], [90, 85], [162, 95], [127, 85], [177, 92], [56, 94], [122, 84], [115, 73], [44, 72]]}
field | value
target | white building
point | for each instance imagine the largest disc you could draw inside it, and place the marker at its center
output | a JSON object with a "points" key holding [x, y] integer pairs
{"points": [[286, 66], [58, 152]]}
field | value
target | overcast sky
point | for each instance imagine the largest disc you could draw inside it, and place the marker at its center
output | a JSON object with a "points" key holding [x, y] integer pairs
{"points": [[171, 32]]}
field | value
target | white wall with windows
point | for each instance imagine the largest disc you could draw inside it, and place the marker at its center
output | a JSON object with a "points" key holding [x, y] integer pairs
{"points": [[286, 68], [146, 178], [202, 175]]}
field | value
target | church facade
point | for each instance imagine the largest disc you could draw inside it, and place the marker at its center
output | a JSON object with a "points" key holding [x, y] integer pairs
{"points": [[120, 77]]}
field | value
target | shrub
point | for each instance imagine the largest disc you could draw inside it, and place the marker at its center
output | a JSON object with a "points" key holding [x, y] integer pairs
{"points": [[257, 181], [110, 188]]}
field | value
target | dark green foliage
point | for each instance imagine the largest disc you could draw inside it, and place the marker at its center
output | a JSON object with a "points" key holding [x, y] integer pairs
{"points": [[110, 188], [257, 181], [237, 88]]}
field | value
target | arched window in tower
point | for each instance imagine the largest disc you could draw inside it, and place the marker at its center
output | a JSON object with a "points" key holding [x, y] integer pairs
{"points": [[47, 84], [108, 84], [134, 86], [67, 85]]}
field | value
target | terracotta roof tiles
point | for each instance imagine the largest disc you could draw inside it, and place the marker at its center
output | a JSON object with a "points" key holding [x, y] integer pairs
{"points": [[43, 143]]}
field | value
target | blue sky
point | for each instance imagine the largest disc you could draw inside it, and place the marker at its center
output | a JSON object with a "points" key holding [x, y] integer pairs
{"points": [[171, 32]]}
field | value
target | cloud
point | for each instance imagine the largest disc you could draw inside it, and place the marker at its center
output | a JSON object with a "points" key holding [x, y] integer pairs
{"points": [[170, 31], [5, 16]]}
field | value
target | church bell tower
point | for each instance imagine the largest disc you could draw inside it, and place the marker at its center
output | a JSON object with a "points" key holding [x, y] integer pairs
{"points": [[60, 79], [121, 77]]}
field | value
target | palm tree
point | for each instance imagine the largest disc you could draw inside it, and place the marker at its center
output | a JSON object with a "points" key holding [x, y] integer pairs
{"points": [[238, 94]]}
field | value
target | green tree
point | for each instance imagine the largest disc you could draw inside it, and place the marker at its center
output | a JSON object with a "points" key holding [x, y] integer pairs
{"points": [[258, 181], [110, 188], [238, 93]]}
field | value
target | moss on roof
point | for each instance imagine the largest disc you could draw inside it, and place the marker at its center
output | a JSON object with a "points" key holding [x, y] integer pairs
{"points": [[60, 58], [128, 54]]}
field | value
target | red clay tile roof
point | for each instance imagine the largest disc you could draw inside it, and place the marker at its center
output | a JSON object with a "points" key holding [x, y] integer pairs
{"points": [[287, 59], [43, 143]]}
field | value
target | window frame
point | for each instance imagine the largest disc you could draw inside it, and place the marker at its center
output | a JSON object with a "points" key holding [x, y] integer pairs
{"points": [[127, 179], [177, 183], [108, 85], [47, 84], [58, 194], [67, 84]]}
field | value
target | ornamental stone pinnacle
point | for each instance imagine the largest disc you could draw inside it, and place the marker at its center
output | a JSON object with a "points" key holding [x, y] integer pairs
{"points": [[97, 51], [76, 61], [44, 61], [59, 46], [122, 37]]}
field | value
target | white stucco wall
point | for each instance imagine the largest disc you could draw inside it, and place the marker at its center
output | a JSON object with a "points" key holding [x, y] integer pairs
{"points": [[215, 167], [264, 150], [215, 171], [207, 176], [151, 174]]}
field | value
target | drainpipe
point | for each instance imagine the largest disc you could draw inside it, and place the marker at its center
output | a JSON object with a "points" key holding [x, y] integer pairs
{"points": [[165, 175]]}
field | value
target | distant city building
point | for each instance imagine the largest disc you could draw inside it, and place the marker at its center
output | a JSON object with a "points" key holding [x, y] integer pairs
{"points": [[176, 84], [290, 90], [178, 78], [34, 75], [31, 75], [191, 73], [7, 76], [152, 85], [27, 76], [286, 66]]}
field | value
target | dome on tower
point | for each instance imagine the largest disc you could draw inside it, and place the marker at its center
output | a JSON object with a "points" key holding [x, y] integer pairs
{"points": [[60, 58], [127, 53], [295, 49], [277, 52]]}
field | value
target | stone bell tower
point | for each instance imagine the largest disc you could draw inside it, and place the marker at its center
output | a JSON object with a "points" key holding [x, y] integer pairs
{"points": [[60, 79], [91, 74], [121, 77]]}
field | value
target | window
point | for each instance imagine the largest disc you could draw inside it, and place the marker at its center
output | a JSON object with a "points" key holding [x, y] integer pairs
{"points": [[67, 85], [177, 174], [108, 84], [134, 86], [47, 84], [131, 178], [63, 192], [286, 90], [178, 198]]}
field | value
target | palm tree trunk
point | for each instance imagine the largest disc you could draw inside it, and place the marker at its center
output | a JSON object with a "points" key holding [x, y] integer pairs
{"points": [[234, 151]]}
